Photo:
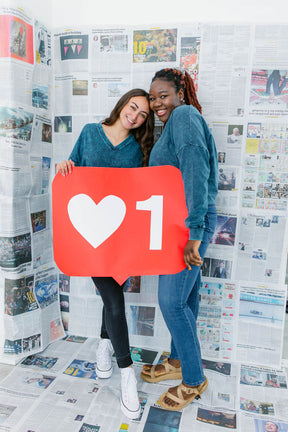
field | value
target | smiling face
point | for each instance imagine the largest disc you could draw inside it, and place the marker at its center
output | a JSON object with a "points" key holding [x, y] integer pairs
{"points": [[164, 98], [271, 427], [134, 113]]}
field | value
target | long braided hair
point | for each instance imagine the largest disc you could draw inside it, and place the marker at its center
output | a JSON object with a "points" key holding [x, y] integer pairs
{"points": [[180, 81]]}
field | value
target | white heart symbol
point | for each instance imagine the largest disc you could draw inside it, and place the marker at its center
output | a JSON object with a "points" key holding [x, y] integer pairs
{"points": [[96, 222]]}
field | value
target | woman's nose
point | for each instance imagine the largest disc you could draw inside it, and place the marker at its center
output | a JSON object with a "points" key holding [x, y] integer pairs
{"points": [[157, 102], [133, 116]]}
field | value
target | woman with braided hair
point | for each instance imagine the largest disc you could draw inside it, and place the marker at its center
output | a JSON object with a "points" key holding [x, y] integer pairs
{"points": [[187, 144]]}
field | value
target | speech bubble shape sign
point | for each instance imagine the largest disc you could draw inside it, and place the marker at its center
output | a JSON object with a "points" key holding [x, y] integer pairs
{"points": [[119, 221]]}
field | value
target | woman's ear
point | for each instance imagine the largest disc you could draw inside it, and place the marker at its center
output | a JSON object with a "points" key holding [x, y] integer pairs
{"points": [[181, 95]]}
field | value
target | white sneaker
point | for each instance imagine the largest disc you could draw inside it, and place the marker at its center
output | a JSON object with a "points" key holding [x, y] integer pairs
{"points": [[103, 359], [130, 405]]}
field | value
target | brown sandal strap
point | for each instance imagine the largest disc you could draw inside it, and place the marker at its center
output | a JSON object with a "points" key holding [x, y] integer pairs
{"points": [[168, 369], [179, 399], [152, 371], [188, 390]]}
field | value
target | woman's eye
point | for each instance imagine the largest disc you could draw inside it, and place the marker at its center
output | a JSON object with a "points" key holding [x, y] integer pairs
{"points": [[151, 99], [133, 107], [163, 96]]}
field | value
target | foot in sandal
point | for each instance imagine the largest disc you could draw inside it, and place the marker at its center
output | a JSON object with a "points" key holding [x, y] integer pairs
{"points": [[169, 369], [177, 398]]}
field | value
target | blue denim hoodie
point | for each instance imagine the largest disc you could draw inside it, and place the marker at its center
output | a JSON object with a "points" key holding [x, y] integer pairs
{"points": [[188, 144]]}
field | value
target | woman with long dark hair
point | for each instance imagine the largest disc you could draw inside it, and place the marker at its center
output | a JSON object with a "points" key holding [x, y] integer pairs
{"points": [[122, 140]]}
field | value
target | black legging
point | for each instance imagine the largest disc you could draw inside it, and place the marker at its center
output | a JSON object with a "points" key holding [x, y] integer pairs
{"points": [[114, 324]]}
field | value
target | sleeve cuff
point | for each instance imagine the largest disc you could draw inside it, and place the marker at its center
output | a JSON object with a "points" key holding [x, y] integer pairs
{"points": [[196, 233]]}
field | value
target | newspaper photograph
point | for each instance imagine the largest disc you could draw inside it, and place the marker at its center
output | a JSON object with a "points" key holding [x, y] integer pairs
{"points": [[17, 43], [15, 124], [269, 92], [151, 46], [42, 44], [71, 50], [189, 56]]}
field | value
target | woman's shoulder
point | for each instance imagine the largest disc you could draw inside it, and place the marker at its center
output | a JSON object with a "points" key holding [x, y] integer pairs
{"points": [[92, 126], [186, 110], [186, 115], [90, 129]]}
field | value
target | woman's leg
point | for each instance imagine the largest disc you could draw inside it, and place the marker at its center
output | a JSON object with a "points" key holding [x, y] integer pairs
{"points": [[193, 303], [104, 333], [114, 324], [179, 303], [173, 293]]}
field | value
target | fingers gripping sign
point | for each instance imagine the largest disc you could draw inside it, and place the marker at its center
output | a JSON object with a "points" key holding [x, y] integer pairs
{"points": [[119, 221], [191, 254]]}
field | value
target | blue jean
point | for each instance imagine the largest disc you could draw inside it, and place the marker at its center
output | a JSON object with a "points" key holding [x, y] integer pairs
{"points": [[179, 303]]}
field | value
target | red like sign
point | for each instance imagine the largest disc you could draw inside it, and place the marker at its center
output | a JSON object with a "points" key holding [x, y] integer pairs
{"points": [[119, 221]]}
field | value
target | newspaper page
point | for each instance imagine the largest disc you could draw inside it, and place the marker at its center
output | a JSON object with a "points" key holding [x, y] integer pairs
{"points": [[261, 398], [223, 69], [265, 175], [111, 50], [260, 324], [216, 320], [27, 270], [260, 246]]}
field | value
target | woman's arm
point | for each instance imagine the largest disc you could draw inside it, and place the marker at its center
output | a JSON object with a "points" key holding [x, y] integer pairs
{"points": [[193, 157], [187, 130]]}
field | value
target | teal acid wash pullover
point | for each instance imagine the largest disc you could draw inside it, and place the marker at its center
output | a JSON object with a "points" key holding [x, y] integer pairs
{"points": [[188, 144], [93, 149]]}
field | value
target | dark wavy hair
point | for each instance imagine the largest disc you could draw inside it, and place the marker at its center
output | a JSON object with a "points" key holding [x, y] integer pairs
{"points": [[144, 134], [180, 81]]}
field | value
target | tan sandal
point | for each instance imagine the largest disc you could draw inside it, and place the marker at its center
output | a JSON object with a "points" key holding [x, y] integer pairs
{"points": [[195, 393], [170, 372]]}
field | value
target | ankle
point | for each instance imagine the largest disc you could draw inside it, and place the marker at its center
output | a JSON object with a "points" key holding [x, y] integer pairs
{"points": [[190, 386], [174, 362], [127, 370], [187, 385]]}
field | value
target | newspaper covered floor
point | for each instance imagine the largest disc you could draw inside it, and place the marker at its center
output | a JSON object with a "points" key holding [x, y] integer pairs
{"points": [[58, 390]]}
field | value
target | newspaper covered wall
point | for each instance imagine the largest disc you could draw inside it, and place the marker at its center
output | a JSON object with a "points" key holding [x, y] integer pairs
{"points": [[244, 99], [232, 67], [29, 299]]}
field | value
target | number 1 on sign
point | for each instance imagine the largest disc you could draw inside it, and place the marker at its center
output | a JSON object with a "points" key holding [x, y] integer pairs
{"points": [[155, 205]]}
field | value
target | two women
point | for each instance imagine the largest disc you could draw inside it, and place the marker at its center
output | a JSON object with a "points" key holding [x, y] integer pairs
{"points": [[123, 140], [187, 144]]}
